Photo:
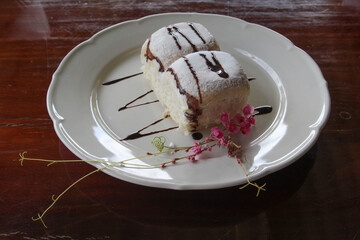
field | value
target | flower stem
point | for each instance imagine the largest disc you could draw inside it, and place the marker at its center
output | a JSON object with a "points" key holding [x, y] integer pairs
{"points": [[41, 216], [259, 188]]}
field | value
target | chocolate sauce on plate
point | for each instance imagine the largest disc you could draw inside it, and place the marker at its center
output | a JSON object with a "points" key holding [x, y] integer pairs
{"points": [[138, 134], [126, 106], [197, 135], [121, 79], [262, 110]]}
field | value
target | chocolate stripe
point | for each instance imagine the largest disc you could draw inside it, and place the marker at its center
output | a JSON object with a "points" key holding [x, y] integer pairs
{"points": [[171, 32], [195, 77], [192, 102], [150, 56], [186, 38], [215, 67], [192, 26]]}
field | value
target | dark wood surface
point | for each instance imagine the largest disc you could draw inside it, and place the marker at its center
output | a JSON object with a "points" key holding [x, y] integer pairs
{"points": [[317, 197]]}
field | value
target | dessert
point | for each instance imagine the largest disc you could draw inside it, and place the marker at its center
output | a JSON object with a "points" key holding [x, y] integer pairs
{"points": [[198, 87], [168, 44], [193, 80]]}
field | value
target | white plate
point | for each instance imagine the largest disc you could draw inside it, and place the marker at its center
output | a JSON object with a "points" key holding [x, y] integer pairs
{"points": [[87, 121]]}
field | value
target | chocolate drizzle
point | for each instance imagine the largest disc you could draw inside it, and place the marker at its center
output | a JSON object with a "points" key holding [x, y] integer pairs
{"points": [[262, 110], [216, 66], [150, 56], [138, 134], [121, 79], [192, 102], [186, 38], [195, 77], [126, 106], [172, 30], [197, 32], [172, 33], [197, 135]]}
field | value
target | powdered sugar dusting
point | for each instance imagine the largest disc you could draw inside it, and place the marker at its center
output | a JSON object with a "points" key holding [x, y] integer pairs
{"points": [[165, 42], [192, 80], [209, 82]]}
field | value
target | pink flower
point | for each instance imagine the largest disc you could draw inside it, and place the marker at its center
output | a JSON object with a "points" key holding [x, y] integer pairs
{"points": [[232, 127], [248, 110], [245, 129], [225, 118], [216, 133], [239, 118], [251, 120], [197, 149], [223, 142]]}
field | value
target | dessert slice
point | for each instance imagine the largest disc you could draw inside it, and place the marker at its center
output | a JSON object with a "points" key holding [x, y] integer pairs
{"points": [[198, 87], [168, 44]]}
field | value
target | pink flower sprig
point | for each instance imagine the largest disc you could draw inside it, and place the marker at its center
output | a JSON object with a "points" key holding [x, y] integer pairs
{"points": [[242, 122], [221, 136], [195, 150]]}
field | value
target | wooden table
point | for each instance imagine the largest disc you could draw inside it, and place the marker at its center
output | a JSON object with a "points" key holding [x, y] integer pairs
{"points": [[317, 197]]}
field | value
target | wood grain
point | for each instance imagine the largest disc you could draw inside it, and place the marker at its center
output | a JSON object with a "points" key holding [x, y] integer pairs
{"points": [[317, 197]]}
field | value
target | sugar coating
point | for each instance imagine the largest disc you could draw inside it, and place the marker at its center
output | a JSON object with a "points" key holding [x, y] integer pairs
{"points": [[215, 94], [209, 82], [177, 61], [166, 48]]}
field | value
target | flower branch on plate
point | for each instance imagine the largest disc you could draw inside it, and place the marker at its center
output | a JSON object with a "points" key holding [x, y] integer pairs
{"points": [[220, 136]]}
